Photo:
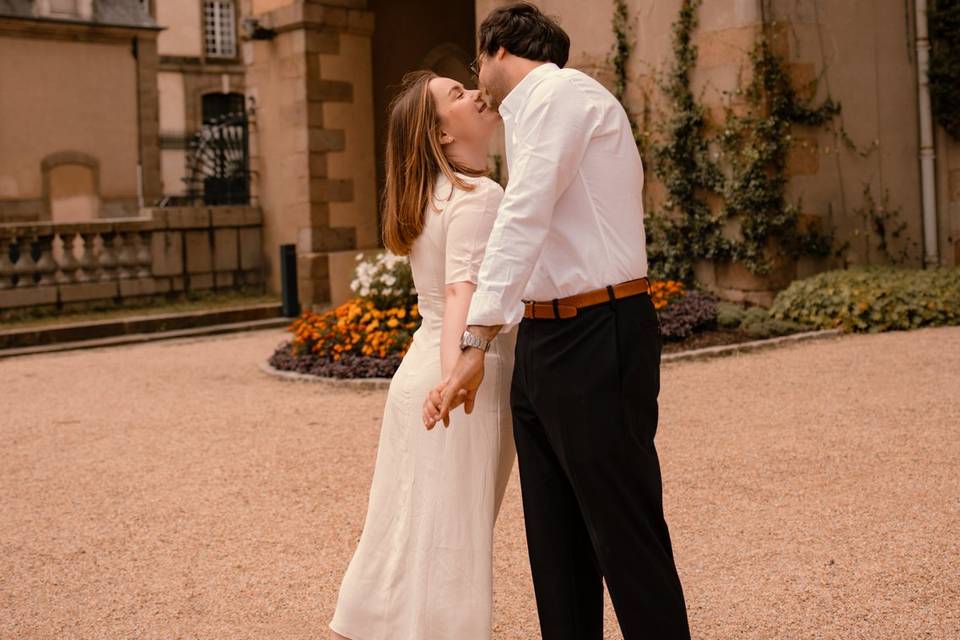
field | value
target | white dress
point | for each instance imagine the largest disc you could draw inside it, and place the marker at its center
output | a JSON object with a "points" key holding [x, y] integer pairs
{"points": [[422, 569]]}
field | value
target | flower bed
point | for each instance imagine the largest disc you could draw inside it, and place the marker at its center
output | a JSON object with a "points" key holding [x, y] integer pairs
{"points": [[367, 336]]}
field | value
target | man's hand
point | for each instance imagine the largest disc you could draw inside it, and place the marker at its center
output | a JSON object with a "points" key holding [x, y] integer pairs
{"points": [[459, 388]]}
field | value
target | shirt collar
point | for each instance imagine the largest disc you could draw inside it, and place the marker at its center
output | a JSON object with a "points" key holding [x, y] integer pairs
{"points": [[518, 95]]}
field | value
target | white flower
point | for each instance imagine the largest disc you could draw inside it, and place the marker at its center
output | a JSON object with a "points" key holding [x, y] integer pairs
{"points": [[390, 280], [359, 257]]}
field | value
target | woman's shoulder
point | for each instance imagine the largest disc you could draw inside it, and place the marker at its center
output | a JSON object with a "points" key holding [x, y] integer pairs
{"points": [[473, 190], [485, 183]]}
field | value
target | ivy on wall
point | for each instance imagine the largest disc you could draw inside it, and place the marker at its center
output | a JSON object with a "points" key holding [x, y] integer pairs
{"points": [[686, 230], [756, 146], [944, 25], [746, 175]]}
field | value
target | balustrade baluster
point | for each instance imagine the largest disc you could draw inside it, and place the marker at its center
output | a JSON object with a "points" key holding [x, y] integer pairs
{"points": [[126, 259], [25, 267], [69, 266], [6, 267], [88, 261], [108, 260], [144, 259], [46, 266]]}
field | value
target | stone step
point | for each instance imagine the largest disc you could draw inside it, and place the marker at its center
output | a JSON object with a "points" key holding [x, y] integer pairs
{"points": [[133, 338], [137, 325]]}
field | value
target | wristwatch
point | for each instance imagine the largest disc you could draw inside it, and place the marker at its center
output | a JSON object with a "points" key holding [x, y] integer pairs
{"points": [[468, 340]]}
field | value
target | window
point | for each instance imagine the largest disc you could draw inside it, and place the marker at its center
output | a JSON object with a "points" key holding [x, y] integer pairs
{"points": [[219, 28], [218, 105]]}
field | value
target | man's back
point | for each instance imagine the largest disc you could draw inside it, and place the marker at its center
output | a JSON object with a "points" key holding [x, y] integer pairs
{"points": [[563, 122]]}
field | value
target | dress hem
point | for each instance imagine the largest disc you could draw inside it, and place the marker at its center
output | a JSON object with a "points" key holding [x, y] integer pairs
{"points": [[348, 636]]}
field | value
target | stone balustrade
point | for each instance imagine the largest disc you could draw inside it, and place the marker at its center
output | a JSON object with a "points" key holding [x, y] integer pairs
{"points": [[165, 250]]}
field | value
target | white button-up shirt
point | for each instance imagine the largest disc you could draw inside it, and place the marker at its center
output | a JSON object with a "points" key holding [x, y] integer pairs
{"points": [[571, 219]]}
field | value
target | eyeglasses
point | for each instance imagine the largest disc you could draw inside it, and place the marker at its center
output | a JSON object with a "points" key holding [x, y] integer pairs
{"points": [[475, 65]]}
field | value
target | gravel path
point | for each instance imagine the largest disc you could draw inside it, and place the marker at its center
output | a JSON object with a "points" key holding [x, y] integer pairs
{"points": [[172, 490]]}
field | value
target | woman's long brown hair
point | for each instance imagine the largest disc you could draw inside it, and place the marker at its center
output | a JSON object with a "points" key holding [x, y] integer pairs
{"points": [[414, 160]]}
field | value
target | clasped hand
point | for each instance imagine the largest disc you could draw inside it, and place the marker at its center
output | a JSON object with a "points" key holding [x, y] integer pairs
{"points": [[460, 387]]}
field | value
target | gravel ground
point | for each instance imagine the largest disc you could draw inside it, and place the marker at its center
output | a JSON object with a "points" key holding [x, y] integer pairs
{"points": [[172, 490]]}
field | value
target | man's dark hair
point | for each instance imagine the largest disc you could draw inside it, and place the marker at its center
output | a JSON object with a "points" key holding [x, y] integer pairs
{"points": [[524, 31]]}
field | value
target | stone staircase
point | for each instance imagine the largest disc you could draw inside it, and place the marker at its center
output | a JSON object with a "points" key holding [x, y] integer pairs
{"points": [[142, 328]]}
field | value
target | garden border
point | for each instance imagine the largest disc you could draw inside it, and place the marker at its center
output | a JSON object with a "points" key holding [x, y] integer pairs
{"points": [[356, 384], [376, 384], [747, 347]]}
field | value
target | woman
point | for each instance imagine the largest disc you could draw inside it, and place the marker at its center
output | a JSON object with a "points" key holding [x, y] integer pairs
{"points": [[422, 568]]}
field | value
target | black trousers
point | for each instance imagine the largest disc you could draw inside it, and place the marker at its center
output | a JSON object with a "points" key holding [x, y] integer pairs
{"points": [[584, 400]]}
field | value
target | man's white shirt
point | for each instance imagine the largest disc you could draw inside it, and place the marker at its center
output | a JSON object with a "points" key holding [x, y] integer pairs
{"points": [[571, 219]]}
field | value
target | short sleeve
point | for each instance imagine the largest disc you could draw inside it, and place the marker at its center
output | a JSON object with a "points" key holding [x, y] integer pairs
{"points": [[469, 219]]}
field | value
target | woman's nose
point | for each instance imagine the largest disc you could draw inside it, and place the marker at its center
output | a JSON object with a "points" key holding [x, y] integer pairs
{"points": [[475, 95]]}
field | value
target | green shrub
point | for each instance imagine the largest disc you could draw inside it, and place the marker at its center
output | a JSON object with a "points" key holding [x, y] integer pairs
{"points": [[758, 323], [873, 299], [730, 315]]}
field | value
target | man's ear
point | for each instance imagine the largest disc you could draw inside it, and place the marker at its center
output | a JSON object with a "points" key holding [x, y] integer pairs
{"points": [[446, 138], [500, 54]]}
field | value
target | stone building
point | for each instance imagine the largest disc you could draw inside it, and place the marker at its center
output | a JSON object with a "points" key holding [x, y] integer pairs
{"points": [[107, 96], [78, 109]]}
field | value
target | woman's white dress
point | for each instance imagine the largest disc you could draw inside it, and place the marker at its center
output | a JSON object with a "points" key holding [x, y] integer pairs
{"points": [[422, 568]]}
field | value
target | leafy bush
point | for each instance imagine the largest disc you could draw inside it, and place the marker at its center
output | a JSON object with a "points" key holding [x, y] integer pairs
{"points": [[758, 323], [944, 20], [873, 299], [679, 319], [730, 315]]}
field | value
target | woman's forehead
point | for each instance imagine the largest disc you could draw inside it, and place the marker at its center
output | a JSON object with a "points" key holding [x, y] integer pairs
{"points": [[441, 86]]}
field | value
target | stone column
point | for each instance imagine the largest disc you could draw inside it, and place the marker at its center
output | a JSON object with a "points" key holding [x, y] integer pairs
{"points": [[312, 137], [148, 100]]}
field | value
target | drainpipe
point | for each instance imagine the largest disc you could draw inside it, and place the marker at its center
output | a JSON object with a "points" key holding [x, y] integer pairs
{"points": [[135, 49], [927, 172]]}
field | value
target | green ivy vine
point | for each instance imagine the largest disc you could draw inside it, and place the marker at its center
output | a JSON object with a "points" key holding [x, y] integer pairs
{"points": [[944, 24], [622, 48], [686, 230], [748, 174], [756, 145]]}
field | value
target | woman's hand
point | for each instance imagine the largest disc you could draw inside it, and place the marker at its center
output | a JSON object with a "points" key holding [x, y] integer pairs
{"points": [[460, 388]]}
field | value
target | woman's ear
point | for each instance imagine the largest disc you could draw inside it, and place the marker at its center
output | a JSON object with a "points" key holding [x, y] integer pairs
{"points": [[445, 138]]}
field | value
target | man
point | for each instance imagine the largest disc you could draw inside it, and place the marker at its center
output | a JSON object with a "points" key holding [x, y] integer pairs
{"points": [[569, 235]]}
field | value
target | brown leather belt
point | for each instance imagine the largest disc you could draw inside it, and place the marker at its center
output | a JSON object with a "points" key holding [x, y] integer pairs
{"points": [[564, 308]]}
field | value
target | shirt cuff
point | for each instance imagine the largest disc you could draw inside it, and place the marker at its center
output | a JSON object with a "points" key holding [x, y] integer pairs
{"points": [[486, 310]]}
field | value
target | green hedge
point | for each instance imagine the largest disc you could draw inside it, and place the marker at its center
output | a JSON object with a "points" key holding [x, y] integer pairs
{"points": [[873, 299]]}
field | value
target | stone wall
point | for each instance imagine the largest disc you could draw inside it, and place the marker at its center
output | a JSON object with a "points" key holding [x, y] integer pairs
{"points": [[77, 90], [311, 142], [862, 51]]}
